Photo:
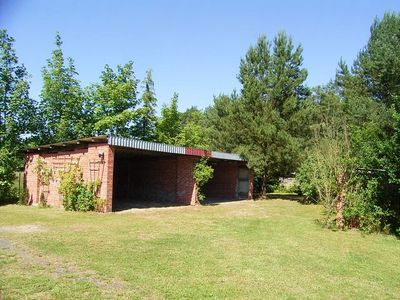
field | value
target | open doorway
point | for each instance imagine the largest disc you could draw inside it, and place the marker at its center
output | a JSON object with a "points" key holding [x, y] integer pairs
{"points": [[230, 182], [144, 179]]}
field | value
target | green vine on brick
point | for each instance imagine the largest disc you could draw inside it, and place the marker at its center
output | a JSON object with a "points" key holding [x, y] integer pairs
{"points": [[79, 195], [202, 173], [45, 174]]}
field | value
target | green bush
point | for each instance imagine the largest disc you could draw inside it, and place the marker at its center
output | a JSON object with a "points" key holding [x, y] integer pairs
{"points": [[77, 194], [8, 165], [291, 189], [361, 210], [306, 182], [202, 173]]}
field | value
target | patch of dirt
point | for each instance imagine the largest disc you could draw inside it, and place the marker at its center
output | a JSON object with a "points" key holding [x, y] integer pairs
{"points": [[4, 244], [57, 268], [23, 228]]}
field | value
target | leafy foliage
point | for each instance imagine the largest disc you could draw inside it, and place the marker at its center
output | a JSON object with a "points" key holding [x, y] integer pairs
{"points": [[114, 101], [77, 195], [147, 114], [17, 115], [202, 173], [169, 125], [17, 110], [368, 97], [194, 131], [220, 119], [44, 173], [378, 64], [7, 175], [362, 210], [61, 99]]}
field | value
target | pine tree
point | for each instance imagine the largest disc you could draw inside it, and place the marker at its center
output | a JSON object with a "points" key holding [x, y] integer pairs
{"points": [[220, 119], [378, 64], [272, 90]]}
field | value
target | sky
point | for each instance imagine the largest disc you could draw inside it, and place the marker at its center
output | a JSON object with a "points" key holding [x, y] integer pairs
{"points": [[192, 47]]}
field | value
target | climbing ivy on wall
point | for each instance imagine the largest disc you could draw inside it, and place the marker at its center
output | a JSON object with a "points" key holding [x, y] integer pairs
{"points": [[202, 173], [45, 174], [78, 195]]}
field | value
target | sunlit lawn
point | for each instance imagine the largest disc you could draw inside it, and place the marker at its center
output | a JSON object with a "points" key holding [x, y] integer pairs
{"points": [[262, 249]]}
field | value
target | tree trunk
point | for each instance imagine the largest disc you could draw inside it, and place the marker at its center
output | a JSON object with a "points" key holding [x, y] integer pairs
{"points": [[341, 180], [264, 186]]}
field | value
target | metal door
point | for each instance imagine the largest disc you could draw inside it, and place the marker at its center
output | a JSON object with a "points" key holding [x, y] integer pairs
{"points": [[243, 183]]}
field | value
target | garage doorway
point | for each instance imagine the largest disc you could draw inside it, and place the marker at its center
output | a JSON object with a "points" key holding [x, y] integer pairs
{"points": [[243, 183], [144, 179]]}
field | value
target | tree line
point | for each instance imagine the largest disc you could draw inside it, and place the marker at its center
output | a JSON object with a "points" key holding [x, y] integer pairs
{"points": [[340, 139]]}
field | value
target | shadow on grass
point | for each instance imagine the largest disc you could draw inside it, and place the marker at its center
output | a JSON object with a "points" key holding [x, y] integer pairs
{"points": [[219, 201], [285, 196], [7, 201], [142, 204]]}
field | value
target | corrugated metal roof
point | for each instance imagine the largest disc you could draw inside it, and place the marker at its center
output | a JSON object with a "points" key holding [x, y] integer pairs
{"points": [[143, 145], [158, 147], [137, 144], [223, 155]]}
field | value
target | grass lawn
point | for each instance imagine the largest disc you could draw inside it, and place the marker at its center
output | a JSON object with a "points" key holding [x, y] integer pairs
{"points": [[262, 249]]}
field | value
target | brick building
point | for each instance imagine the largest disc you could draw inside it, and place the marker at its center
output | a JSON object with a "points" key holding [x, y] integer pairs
{"points": [[132, 170]]}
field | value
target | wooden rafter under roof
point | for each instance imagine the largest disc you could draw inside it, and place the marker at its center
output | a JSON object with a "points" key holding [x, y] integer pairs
{"points": [[61, 145]]}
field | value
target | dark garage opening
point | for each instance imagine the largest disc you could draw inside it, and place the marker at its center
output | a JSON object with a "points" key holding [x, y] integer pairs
{"points": [[230, 182], [144, 179]]}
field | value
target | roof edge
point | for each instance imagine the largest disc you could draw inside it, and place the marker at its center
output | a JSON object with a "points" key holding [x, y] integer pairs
{"points": [[134, 143]]}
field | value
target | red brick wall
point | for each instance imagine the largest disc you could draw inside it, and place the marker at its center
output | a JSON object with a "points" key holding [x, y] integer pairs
{"points": [[56, 162], [185, 185]]}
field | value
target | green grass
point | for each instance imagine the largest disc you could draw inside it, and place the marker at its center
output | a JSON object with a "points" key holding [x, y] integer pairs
{"points": [[263, 249]]}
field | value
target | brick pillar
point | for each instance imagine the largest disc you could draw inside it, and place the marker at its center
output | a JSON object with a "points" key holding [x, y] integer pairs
{"points": [[251, 185], [109, 179], [185, 185]]}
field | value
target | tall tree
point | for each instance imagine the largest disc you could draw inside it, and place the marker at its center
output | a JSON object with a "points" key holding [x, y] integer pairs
{"points": [[17, 113], [378, 64], [145, 127], [115, 101], [364, 101], [194, 132], [272, 89], [61, 99], [221, 122], [371, 93], [169, 124]]}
